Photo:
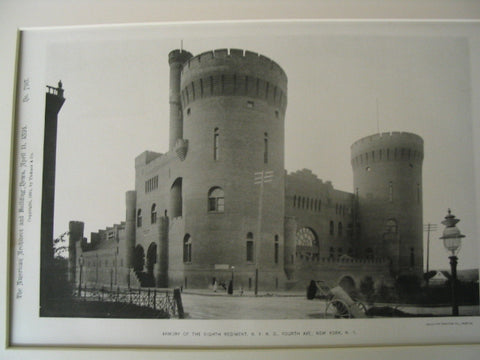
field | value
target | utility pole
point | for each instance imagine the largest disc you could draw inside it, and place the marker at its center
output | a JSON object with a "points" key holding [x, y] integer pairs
{"points": [[429, 228], [260, 178]]}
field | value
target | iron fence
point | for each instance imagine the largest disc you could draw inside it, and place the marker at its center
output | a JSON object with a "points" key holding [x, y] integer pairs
{"points": [[167, 300]]}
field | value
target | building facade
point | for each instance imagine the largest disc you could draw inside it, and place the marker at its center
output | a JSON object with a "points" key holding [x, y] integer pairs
{"points": [[219, 204]]}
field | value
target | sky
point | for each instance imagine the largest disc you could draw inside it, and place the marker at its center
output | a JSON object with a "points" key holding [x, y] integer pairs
{"points": [[345, 81]]}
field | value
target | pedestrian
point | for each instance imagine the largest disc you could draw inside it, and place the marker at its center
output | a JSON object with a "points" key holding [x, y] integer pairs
{"points": [[215, 285]]}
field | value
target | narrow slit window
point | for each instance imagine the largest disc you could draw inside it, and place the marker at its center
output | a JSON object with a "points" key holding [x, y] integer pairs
{"points": [[265, 148], [216, 140]]}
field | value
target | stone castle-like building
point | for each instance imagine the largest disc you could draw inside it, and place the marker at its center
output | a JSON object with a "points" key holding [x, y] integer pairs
{"points": [[219, 204]]}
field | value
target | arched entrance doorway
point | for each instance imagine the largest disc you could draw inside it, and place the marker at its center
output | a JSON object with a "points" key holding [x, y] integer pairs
{"points": [[138, 258], [151, 258]]}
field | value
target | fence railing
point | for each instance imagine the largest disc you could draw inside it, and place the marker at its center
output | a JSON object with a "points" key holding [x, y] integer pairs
{"points": [[167, 300]]}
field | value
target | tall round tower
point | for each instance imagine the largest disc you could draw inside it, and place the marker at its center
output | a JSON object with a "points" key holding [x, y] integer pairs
{"points": [[387, 177], [234, 104]]}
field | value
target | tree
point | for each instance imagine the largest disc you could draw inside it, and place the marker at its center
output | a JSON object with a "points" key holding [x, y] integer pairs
{"points": [[60, 246]]}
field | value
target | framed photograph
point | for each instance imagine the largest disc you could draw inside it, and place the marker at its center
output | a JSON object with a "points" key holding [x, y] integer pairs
{"points": [[247, 184]]}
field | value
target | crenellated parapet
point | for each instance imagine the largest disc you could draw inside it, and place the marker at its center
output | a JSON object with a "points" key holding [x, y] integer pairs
{"points": [[342, 260], [388, 146], [178, 56], [233, 73]]}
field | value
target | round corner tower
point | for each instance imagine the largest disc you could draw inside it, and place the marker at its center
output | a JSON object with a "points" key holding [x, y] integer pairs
{"points": [[233, 104], [387, 177]]}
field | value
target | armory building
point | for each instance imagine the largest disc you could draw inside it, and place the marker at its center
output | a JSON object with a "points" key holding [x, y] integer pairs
{"points": [[219, 202]]}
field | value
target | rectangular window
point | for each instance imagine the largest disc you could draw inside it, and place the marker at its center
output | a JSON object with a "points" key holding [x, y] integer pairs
{"points": [[151, 184], [250, 251], [212, 204], [276, 253], [220, 204]]}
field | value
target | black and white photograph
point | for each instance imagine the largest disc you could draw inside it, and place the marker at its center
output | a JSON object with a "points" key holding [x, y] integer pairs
{"points": [[295, 182]]}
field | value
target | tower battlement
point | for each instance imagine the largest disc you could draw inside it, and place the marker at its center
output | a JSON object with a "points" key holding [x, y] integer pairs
{"points": [[243, 58], [388, 146], [233, 72], [387, 138], [178, 56]]}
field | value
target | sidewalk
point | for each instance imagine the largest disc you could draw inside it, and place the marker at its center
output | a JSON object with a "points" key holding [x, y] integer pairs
{"points": [[248, 293]]}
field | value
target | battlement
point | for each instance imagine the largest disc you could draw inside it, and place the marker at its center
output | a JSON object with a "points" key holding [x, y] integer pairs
{"points": [[233, 72], [306, 178], [392, 138], [178, 56], [241, 57], [388, 146], [315, 259], [103, 238], [146, 157]]}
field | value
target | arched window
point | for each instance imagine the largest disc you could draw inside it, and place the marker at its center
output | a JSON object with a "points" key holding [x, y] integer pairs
{"points": [[250, 249], [139, 218], [216, 138], [216, 200], [265, 148], [176, 202], [153, 214], [187, 249]]}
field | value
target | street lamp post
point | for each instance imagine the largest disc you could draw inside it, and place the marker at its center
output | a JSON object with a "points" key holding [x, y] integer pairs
{"points": [[452, 240]]}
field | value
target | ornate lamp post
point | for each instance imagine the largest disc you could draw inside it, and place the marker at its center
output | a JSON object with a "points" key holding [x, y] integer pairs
{"points": [[452, 240]]}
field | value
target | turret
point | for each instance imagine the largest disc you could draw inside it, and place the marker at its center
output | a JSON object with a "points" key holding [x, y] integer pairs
{"points": [[176, 59]]}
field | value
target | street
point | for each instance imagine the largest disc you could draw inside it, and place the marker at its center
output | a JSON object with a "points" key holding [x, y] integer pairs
{"points": [[204, 304]]}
